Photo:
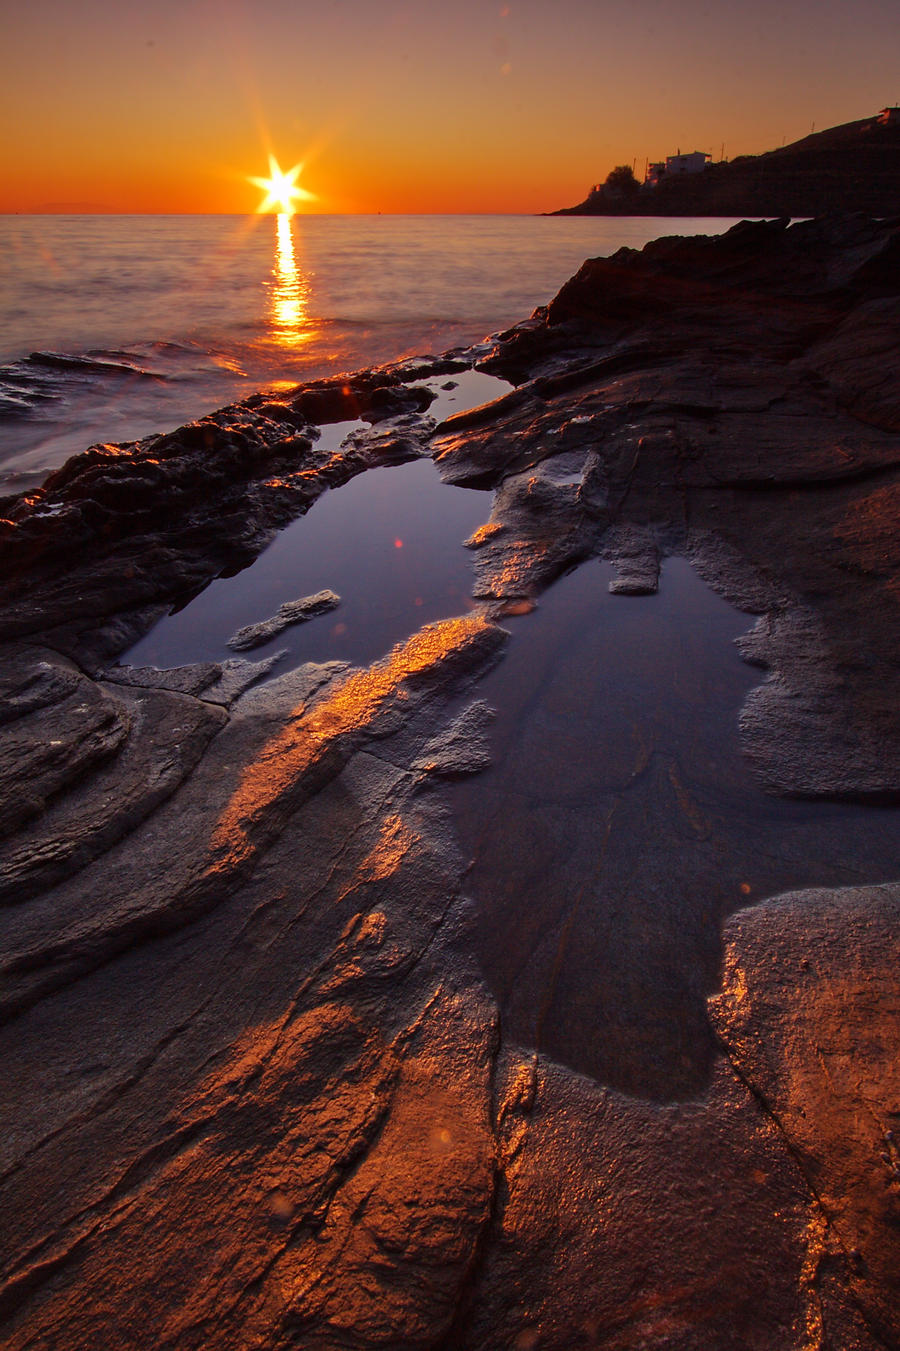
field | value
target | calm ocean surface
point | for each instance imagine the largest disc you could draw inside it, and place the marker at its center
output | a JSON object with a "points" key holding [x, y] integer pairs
{"points": [[113, 327]]}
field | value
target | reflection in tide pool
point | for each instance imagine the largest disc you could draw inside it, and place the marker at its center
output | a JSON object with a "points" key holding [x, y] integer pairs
{"points": [[289, 290], [618, 825], [389, 543]]}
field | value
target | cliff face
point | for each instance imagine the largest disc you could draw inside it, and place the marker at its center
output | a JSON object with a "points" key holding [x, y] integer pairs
{"points": [[853, 167]]}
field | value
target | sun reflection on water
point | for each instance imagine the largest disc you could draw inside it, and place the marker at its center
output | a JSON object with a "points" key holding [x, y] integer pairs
{"points": [[289, 293]]}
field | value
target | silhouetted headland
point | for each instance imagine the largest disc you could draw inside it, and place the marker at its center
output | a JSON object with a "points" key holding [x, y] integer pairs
{"points": [[852, 167]]}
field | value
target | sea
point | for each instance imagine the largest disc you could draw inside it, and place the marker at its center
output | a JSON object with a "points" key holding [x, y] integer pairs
{"points": [[116, 327]]}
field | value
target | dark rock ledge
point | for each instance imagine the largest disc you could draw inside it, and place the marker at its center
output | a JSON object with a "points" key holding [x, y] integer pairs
{"points": [[256, 1093]]}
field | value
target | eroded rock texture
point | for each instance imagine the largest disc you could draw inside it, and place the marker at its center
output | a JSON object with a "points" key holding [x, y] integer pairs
{"points": [[257, 1090]]}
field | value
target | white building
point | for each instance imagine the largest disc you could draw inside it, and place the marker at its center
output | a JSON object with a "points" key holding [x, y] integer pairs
{"points": [[694, 163]]}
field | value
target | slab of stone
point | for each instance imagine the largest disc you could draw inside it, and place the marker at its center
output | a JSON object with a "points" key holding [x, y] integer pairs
{"points": [[462, 748], [59, 726], [675, 1200], [635, 555], [394, 440], [192, 679], [809, 1015], [279, 1117], [271, 757], [237, 675], [291, 612], [168, 734]]}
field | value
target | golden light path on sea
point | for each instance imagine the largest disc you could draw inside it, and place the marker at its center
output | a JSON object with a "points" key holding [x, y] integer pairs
{"points": [[290, 290]]}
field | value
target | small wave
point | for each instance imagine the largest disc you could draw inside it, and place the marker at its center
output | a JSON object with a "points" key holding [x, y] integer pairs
{"points": [[20, 405], [161, 345], [229, 364], [47, 378], [121, 355], [178, 360], [91, 364], [313, 322], [24, 391]]}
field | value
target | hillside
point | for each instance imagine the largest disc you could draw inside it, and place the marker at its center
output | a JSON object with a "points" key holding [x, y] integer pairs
{"points": [[852, 167]]}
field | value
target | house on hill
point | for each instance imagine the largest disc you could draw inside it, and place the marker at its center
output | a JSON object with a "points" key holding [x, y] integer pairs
{"points": [[889, 117], [676, 164], [694, 163]]}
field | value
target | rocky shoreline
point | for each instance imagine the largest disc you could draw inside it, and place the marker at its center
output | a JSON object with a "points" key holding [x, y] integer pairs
{"points": [[259, 1093]]}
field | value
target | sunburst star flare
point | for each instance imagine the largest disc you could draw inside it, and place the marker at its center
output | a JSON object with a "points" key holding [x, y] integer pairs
{"points": [[281, 188]]}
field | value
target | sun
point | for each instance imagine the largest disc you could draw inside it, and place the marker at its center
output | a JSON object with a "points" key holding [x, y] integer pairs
{"points": [[281, 189]]}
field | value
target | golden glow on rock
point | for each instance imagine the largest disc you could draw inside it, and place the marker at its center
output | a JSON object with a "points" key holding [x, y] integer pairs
{"points": [[395, 843], [314, 733], [484, 533]]}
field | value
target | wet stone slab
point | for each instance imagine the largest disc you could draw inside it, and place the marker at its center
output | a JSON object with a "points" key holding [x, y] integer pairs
{"points": [[288, 613]]}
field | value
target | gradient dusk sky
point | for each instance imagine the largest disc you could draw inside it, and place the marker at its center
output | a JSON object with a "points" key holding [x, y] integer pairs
{"points": [[396, 106]]}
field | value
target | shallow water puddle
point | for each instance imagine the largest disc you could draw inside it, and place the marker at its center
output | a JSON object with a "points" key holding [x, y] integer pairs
{"points": [[462, 390], [618, 826], [389, 543]]}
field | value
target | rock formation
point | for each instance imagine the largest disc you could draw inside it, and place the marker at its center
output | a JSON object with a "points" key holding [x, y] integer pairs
{"points": [[290, 612], [258, 1090]]}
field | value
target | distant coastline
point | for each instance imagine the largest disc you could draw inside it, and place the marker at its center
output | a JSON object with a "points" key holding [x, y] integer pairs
{"points": [[852, 167]]}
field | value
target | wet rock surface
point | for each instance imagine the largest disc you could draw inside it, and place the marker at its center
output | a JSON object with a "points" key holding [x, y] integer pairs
{"points": [[796, 1028], [291, 612], [263, 1090]]}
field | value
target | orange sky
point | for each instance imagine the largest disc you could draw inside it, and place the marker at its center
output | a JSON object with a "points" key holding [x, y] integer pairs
{"points": [[473, 106]]}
